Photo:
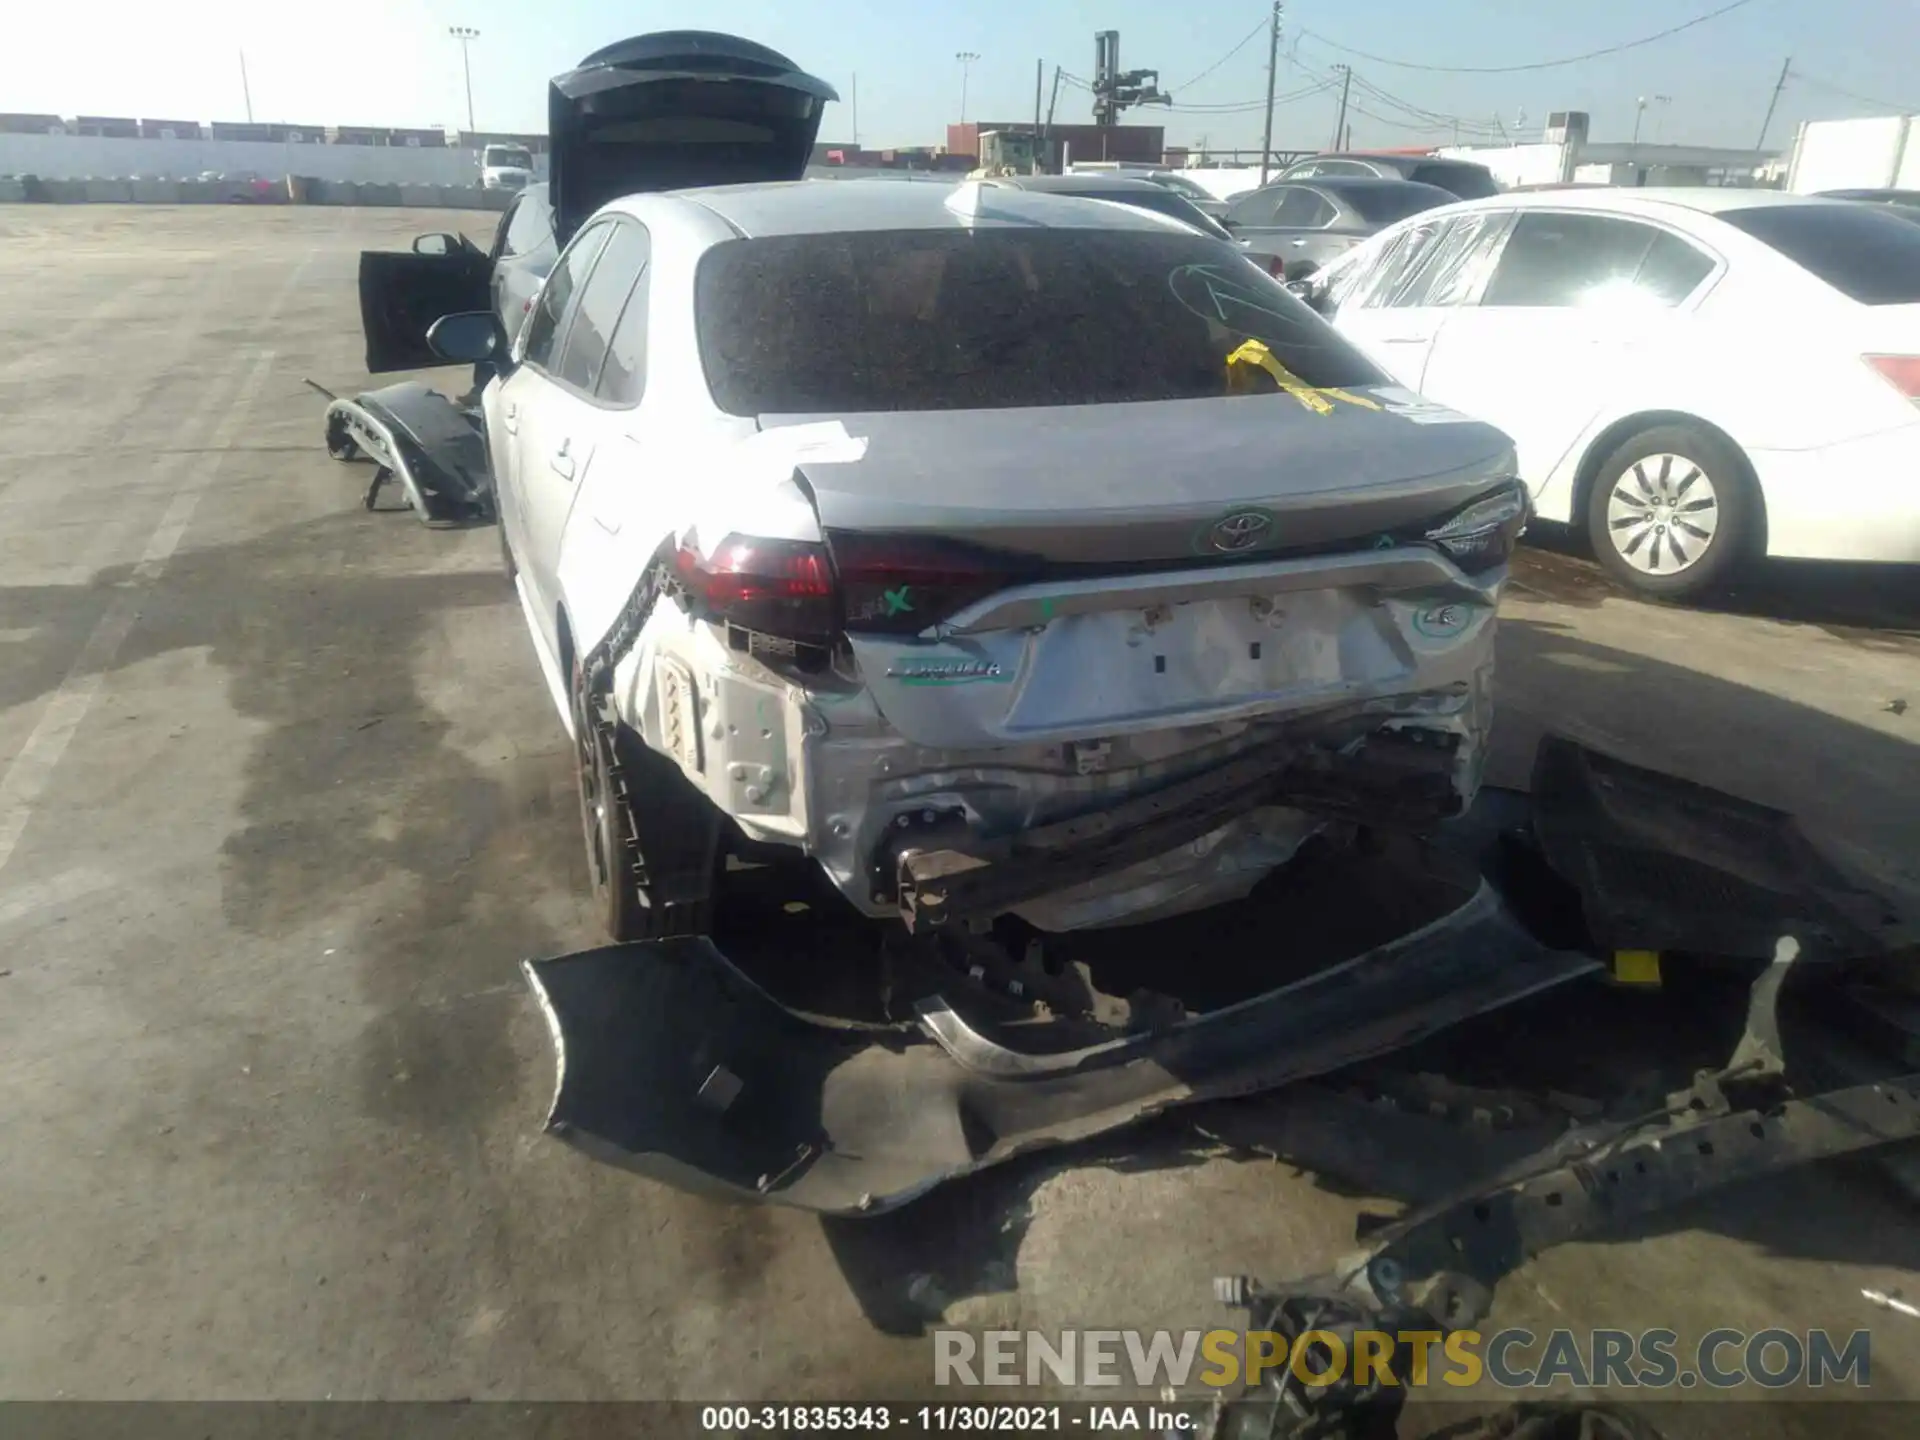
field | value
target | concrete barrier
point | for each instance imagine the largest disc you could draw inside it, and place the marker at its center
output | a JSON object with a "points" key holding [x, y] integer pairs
{"points": [[418, 196], [108, 192], [64, 192], [380, 195], [12, 191], [196, 192], [155, 192]]}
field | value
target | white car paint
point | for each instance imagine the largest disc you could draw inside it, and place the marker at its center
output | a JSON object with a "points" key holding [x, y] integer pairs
{"points": [[1761, 350]]}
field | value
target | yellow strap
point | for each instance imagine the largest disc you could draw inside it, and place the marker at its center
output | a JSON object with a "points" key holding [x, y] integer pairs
{"points": [[1255, 354], [1636, 967]]}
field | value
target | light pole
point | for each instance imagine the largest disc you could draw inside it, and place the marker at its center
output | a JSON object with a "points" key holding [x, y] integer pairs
{"points": [[966, 59], [1660, 116], [466, 35], [1639, 114]]}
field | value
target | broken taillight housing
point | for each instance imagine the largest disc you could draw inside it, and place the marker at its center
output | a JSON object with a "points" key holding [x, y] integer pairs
{"points": [[899, 585], [782, 588], [1900, 371], [1483, 533]]}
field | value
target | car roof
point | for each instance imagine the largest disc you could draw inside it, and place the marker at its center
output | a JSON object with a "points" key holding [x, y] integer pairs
{"points": [[1351, 185], [1078, 184], [1648, 200], [816, 207], [1392, 159]]}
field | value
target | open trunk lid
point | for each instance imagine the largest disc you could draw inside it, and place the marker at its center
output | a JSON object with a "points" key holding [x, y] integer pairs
{"points": [[676, 109]]}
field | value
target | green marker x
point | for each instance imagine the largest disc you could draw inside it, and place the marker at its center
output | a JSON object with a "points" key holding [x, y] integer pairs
{"points": [[897, 601]]}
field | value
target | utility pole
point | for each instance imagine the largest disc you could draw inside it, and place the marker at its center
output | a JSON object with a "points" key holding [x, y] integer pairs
{"points": [[1039, 79], [1046, 139], [1346, 84], [1273, 65], [854, 105], [966, 59], [245, 92], [466, 35], [1778, 85]]}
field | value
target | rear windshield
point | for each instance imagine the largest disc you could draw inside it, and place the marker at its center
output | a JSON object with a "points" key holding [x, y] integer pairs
{"points": [[953, 319], [1469, 182], [1383, 204], [1863, 251]]}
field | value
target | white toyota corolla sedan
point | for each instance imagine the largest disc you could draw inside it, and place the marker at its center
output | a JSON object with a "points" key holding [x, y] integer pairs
{"points": [[1693, 376]]}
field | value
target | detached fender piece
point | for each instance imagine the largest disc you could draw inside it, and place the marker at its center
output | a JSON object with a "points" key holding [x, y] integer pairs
{"points": [[674, 1064], [435, 449]]}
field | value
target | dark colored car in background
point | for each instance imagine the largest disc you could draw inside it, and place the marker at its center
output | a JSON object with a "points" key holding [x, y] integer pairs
{"points": [[1462, 178], [1295, 228], [1141, 194]]}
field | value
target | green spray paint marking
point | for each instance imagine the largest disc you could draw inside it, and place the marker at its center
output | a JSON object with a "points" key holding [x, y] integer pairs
{"points": [[898, 602]]}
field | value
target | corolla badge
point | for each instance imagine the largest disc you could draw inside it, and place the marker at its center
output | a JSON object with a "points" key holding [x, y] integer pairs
{"points": [[1242, 530]]}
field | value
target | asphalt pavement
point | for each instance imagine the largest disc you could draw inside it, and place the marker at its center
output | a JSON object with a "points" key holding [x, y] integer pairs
{"points": [[283, 803]]}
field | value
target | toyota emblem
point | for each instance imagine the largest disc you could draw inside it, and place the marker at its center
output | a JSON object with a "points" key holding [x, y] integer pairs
{"points": [[1242, 530]]}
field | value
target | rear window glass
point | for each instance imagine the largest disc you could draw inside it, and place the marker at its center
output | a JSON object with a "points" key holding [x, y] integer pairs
{"points": [[1469, 182], [1860, 250], [994, 319], [1382, 205]]}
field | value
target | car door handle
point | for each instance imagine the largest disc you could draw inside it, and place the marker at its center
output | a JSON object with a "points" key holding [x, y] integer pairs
{"points": [[510, 420], [1297, 244], [561, 461]]}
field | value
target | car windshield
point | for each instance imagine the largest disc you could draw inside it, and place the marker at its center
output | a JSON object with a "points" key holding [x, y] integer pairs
{"points": [[509, 155], [1383, 204], [940, 319], [1161, 202], [1865, 252]]}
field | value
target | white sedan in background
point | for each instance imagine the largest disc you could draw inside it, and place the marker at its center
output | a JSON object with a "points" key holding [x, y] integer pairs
{"points": [[1693, 377]]}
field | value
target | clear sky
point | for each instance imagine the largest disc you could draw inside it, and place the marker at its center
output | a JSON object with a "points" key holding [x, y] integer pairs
{"points": [[391, 62]]}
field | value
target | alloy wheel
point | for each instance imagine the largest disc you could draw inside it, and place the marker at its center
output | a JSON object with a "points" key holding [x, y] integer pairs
{"points": [[1662, 514]]}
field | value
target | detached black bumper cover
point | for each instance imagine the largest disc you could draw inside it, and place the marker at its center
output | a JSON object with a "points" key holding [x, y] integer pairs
{"points": [[674, 1064], [418, 437]]}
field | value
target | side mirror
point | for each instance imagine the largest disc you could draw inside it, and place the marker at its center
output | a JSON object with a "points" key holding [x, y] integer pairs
{"points": [[1308, 293], [469, 337], [436, 244], [1226, 224]]}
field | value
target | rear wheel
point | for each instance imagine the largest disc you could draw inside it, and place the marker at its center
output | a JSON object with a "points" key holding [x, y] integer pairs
{"points": [[628, 797], [1672, 511]]}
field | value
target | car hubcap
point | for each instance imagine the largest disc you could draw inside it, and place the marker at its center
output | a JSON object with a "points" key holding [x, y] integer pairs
{"points": [[1662, 514]]}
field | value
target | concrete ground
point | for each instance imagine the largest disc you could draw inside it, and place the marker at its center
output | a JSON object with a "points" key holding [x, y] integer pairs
{"points": [[282, 802]]}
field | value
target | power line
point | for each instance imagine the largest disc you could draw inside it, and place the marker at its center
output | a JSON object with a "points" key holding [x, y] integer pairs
{"points": [[1726, 9], [1238, 107], [1245, 40], [1831, 88]]}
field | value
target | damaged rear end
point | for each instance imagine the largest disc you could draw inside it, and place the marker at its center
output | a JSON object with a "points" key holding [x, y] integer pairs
{"points": [[1081, 625]]}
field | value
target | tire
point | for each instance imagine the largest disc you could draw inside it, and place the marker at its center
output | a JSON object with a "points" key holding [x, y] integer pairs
{"points": [[1672, 511], [506, 551], [626, 791]]}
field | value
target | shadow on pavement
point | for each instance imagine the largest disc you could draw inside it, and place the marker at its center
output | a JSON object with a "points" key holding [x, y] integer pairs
{"points": [[1843, 599]]}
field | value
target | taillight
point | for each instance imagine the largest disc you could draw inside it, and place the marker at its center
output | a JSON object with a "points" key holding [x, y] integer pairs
{"points": [[901, 584], [1483, 533], [1277, 267], [1900, 371], [782, 588]]}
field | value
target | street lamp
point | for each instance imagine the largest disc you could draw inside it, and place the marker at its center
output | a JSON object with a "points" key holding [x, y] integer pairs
{"points": [[1639, 114], [466, 35], [966, 59]]}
